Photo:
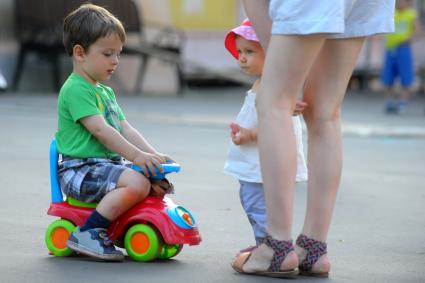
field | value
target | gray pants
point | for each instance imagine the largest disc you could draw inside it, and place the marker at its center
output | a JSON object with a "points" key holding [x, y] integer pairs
{"points": [[253, 202]]}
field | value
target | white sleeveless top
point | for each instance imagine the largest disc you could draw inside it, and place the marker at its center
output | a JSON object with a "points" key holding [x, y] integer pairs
{"points": [[243, 160]]}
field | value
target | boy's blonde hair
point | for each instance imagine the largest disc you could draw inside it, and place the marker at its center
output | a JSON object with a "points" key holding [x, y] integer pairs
{"points": [[87, 24]]}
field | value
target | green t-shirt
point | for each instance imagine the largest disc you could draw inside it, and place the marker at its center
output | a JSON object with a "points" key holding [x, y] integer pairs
{"points": [[404, 27], [78, 99]]}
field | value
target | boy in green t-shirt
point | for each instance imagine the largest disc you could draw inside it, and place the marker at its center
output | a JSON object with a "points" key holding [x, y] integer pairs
{"points": [[93, 133]]}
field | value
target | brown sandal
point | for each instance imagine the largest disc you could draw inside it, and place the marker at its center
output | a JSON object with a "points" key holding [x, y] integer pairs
{"points": [[315, 249], [160, 188], [281, 250]]}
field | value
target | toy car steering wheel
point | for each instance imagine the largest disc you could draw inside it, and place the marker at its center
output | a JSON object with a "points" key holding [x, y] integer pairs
{"points": [[168, 168]]}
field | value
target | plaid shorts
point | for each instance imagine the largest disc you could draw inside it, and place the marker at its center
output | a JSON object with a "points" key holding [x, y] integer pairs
{"points": [[89, 179]]}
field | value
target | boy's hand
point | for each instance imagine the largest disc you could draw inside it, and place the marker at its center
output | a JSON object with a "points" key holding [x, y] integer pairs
{"points": [[164, 157], [240, 135], [147, 163], [300, 106]]}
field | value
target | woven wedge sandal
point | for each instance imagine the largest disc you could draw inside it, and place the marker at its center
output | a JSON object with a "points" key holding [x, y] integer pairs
{"points": [[315, 249], [281, 249]]}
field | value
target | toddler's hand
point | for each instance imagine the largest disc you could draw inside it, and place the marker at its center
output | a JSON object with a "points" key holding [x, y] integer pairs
{"points": [[240, 135], [235, 128], [300, 106], [147, 163]]}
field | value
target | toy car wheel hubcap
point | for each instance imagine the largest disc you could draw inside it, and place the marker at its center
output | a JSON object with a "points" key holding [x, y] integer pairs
{"points": [[140, 243]]}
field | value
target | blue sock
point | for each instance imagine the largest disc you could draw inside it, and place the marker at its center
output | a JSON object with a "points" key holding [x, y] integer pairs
{"points": [[95, 220]]}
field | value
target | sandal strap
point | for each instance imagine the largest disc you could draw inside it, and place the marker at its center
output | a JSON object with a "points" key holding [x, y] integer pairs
{"points": [[281, 250], [315, 249]]}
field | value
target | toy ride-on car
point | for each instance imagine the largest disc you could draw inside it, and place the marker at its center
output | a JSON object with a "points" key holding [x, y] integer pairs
{"points": [[155, 228]]}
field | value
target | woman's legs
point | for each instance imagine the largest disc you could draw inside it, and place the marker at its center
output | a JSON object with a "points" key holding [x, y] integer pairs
{"points": [[288, 62], [324, 91], [287, 65]]}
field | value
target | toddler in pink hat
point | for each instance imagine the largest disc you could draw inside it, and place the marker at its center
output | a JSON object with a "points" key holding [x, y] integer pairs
{"points": [[246, 31], [242, 160]]}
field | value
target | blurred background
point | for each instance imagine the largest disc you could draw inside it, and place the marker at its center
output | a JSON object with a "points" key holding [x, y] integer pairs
{"points": [[173, 45]]}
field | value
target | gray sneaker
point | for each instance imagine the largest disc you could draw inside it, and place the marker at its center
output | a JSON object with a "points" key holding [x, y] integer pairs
{"points": [[95, 243]]}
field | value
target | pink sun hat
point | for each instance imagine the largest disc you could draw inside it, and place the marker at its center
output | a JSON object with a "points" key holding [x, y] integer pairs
{"points": [[245, 30]]}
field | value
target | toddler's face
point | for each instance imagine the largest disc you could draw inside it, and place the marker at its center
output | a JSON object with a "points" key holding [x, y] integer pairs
{"points": [[251, 56], [101, 59]]}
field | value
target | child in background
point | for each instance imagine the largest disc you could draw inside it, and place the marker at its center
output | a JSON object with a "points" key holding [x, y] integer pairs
{"points": [[93, 133], [243, 158], [398, 61]]}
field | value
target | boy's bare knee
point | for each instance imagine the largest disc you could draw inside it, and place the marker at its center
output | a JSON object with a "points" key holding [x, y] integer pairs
{"points": [[135, 183], [139, 192], [139, 187]]}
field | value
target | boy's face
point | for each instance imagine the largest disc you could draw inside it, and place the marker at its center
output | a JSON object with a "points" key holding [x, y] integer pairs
{"points": [[251, 56], [99, 62]]}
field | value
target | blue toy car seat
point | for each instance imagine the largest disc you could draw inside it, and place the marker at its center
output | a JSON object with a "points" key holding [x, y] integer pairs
{"points": [[54, 183]]}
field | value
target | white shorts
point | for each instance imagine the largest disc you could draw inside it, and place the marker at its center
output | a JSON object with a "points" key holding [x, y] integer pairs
{"points": [[339, 18]]}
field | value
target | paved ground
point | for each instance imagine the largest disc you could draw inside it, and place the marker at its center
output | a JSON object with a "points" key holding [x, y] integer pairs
{"points": [[377, 234]]}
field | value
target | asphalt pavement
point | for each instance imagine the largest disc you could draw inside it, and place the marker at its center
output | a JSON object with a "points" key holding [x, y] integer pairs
{"points": [[378, 230]]}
